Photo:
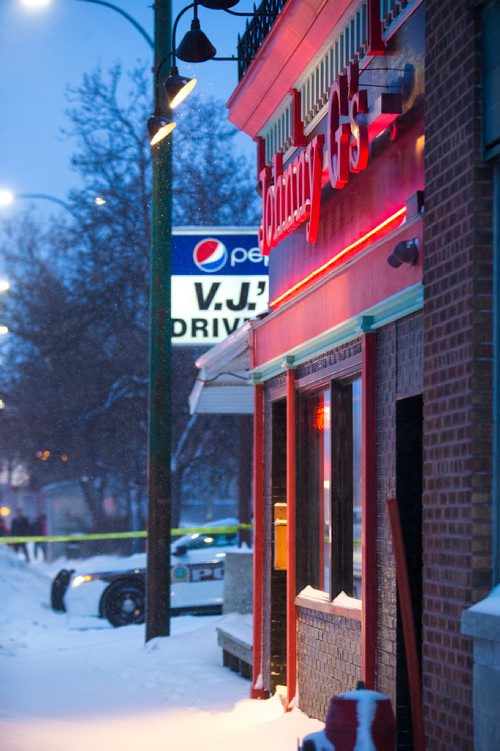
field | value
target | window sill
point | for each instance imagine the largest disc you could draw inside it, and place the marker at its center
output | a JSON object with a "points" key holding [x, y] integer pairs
{"points": [[342, 605]]}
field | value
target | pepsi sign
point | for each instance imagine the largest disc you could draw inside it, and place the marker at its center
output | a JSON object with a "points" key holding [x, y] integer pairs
{"points": [[210, 255], [217, 250], [219, 281]]}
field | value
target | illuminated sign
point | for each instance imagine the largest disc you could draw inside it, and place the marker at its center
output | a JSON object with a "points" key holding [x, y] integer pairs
{"points": [[292, 196], [219, 281], [347, 142]]}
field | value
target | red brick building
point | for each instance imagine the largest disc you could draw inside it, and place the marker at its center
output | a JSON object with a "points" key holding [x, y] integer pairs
{"points": [[373, 369]]}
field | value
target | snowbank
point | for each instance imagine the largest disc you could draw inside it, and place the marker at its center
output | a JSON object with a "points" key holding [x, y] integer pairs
{"points": [[79, 684]]}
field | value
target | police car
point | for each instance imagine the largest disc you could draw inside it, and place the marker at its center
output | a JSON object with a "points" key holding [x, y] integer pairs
{"points": [[196, 570]]}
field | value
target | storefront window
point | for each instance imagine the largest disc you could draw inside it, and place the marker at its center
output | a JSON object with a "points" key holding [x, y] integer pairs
{"points": [[332, 489], [319, 461]]}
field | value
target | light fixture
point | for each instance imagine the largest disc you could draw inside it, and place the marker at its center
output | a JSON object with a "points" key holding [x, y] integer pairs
{"points": [[177, 87], [405, 251], [159, 127], [6, 197], [99, 201], [218, 4], [4, 285], [36, 4], [195, 46]]}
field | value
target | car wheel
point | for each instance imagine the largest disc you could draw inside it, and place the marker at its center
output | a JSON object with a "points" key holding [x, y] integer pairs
{"points": [[123, 603]]}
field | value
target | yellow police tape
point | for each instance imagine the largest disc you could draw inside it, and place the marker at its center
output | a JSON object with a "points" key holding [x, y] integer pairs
{"points": [[122, 535]]}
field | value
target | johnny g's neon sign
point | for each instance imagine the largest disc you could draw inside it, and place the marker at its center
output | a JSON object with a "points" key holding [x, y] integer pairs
{"points": [[292, 196]]}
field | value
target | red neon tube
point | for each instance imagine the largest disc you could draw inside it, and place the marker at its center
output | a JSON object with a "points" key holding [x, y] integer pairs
{"points": [[374, 234]]}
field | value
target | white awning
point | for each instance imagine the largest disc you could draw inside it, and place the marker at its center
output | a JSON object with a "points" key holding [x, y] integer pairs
{"points": [[223, 385]]}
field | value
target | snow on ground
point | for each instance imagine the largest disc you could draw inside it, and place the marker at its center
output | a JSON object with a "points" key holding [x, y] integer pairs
{"points": [[70, 684]]}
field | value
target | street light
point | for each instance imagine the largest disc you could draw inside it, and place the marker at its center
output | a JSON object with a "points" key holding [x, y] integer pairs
{"points": [[36, 4], [7, 197]]}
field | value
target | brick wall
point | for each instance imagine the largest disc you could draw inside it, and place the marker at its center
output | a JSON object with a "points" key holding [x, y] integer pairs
{"points": [[457, 380], [328, 658]]}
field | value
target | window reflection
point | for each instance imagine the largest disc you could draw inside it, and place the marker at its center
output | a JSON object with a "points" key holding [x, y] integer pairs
{"points": [[333, 484]]}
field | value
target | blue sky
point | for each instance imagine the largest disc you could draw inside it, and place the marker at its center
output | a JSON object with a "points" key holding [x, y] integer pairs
{"points": [[44, 52]]}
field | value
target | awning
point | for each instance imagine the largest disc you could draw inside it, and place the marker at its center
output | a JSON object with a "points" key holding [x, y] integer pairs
{"points": [[223, 385]]}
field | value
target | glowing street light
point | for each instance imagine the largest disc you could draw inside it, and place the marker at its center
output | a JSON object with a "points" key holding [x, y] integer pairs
{"points": [[36, 4], [6, 197]]}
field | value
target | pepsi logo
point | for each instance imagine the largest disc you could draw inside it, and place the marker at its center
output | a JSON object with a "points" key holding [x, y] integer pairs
{"points": [[210, 255]]}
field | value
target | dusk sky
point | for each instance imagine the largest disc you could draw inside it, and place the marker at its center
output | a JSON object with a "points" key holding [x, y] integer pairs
{"points": [[43, 52]]}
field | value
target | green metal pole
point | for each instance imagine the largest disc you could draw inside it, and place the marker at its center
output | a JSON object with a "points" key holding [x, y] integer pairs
{"points": [[159, 407]]}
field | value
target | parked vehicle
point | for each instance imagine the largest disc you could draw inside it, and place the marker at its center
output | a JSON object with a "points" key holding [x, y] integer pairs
{"points": [[197, 573]]}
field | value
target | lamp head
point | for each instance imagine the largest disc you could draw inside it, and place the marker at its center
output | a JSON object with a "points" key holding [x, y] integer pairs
{"points": [[405, 251], [218, 4], [36, 4], [6, 197], [177, 87], [159, 127], [195, 46]]}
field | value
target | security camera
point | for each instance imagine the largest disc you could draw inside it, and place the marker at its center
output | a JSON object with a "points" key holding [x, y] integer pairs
{"points": [[405, 251]]}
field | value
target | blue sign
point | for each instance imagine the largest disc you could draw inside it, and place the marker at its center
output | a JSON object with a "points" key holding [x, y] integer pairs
{"points": [[205, 251]]}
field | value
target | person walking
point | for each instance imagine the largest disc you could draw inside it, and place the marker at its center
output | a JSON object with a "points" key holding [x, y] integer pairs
{"points": [[39, 529], [20, 527]]}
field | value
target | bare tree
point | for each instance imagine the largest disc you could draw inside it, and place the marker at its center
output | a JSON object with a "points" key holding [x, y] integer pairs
{"points": [[75, 384]]}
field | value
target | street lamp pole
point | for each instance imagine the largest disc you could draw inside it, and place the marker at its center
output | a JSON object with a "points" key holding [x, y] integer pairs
{"points": [[159, 406], [125, 15], [7, 197]]}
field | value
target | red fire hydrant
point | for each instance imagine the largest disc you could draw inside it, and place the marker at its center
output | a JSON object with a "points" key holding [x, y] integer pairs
{"points": [[359, 720]]}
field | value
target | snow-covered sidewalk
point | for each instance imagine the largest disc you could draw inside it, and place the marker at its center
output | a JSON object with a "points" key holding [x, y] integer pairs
{"points": [[71, 684]]}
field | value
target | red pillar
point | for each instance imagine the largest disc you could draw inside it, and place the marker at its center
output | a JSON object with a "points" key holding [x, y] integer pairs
{"points": [[369, 512], [256, 691], [291, 616]]}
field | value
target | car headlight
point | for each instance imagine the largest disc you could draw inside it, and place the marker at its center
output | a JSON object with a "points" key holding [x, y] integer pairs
{"points": [[79, 580]]}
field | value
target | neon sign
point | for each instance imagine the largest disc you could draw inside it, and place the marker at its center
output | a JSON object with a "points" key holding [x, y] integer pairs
{"points": [[348, 146], [292, 196]]}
